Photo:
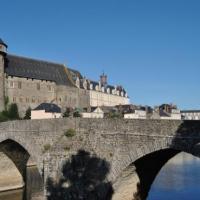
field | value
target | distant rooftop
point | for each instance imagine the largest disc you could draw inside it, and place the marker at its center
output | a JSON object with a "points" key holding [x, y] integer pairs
{"points": [[190, 111], [49, 107], [37, 69]]}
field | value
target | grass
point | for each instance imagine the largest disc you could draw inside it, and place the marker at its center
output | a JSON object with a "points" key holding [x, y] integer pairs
{"points": [[70, 133]]}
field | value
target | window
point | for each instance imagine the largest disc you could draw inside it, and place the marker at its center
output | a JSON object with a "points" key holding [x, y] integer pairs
{"points": [[38, 86], [11, 84], [33, 99], [49, 87], [19, 85]]}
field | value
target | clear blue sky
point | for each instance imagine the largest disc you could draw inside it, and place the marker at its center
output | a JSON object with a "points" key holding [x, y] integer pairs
{"points": [[151, 47]]}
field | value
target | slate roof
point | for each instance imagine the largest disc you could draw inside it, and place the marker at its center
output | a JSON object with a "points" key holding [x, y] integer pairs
{"points": [[37, 69], [95, 83], [75, 73], [111, 87], [190, 111], [49, 107]]}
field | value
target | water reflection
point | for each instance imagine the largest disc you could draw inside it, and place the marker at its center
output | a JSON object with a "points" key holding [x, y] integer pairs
{"points": [[179, 179], [34, 186], [12, 195]]}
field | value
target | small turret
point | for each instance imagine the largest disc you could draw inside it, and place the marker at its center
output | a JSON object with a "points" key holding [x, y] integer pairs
{"points": [[3, 47]]}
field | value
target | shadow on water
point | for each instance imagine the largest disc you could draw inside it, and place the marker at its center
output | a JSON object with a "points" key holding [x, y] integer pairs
{"points": [[83, 178]]}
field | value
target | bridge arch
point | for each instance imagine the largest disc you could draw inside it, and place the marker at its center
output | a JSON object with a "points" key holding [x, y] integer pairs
{"points": [[134, 174], [21, 157], [15, 152]]}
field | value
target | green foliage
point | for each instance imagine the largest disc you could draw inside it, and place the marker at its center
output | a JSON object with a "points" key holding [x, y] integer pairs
{"points": [[13, 111], [66, 148], [28, 114], [114, 115], [4, 116], [76, 114], [46, 148], [70, 133], [10, 113], [6, 102], [67, 113]]}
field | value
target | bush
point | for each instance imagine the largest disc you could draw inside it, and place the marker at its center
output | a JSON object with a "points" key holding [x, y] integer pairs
{"points": [[70, 133], [67, 113], [114, 115], [46, 148], [76, 114], [66, 148]]}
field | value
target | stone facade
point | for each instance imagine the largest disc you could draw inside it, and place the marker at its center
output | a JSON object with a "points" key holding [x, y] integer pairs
{"points": [[27, 92], [29, 82], [99, 98], [190, 114]]}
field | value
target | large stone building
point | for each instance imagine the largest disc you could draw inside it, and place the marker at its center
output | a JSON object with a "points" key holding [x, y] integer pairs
{"points": [[30, 82], [190, 114]]}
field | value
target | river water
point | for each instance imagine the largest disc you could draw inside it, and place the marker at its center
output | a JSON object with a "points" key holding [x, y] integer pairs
{"points": [[179, 179], [12, 195], [34, 186]]}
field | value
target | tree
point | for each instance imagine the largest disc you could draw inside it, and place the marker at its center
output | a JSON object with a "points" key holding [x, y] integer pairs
{"points": [[28, 113], [4, 116], [6, 102], [67, 113], [13, 111], [84, 178], [76, 114]]}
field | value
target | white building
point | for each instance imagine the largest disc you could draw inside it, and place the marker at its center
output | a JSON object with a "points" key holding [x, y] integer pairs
{"points": [[46, 111], [138, 114], [102, 94], [175, 114], [97, 113], [190, 114]]}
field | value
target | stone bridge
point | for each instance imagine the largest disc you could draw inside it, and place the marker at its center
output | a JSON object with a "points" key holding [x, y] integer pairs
{"points": [[135, 150]]}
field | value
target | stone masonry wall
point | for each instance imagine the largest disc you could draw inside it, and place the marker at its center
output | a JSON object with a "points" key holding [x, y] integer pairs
{"points": [[1, 82], [120, 142]]}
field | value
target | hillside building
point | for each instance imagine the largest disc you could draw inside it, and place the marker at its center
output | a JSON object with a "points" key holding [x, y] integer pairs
{"points": [[29, 82], [190, 114]]}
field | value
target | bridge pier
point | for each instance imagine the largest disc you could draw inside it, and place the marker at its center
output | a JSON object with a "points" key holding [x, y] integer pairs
{"points": [[34, 188]]}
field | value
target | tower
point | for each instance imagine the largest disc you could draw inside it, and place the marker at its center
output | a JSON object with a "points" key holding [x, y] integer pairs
{"points": [[3, 52], [103, 80]]}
